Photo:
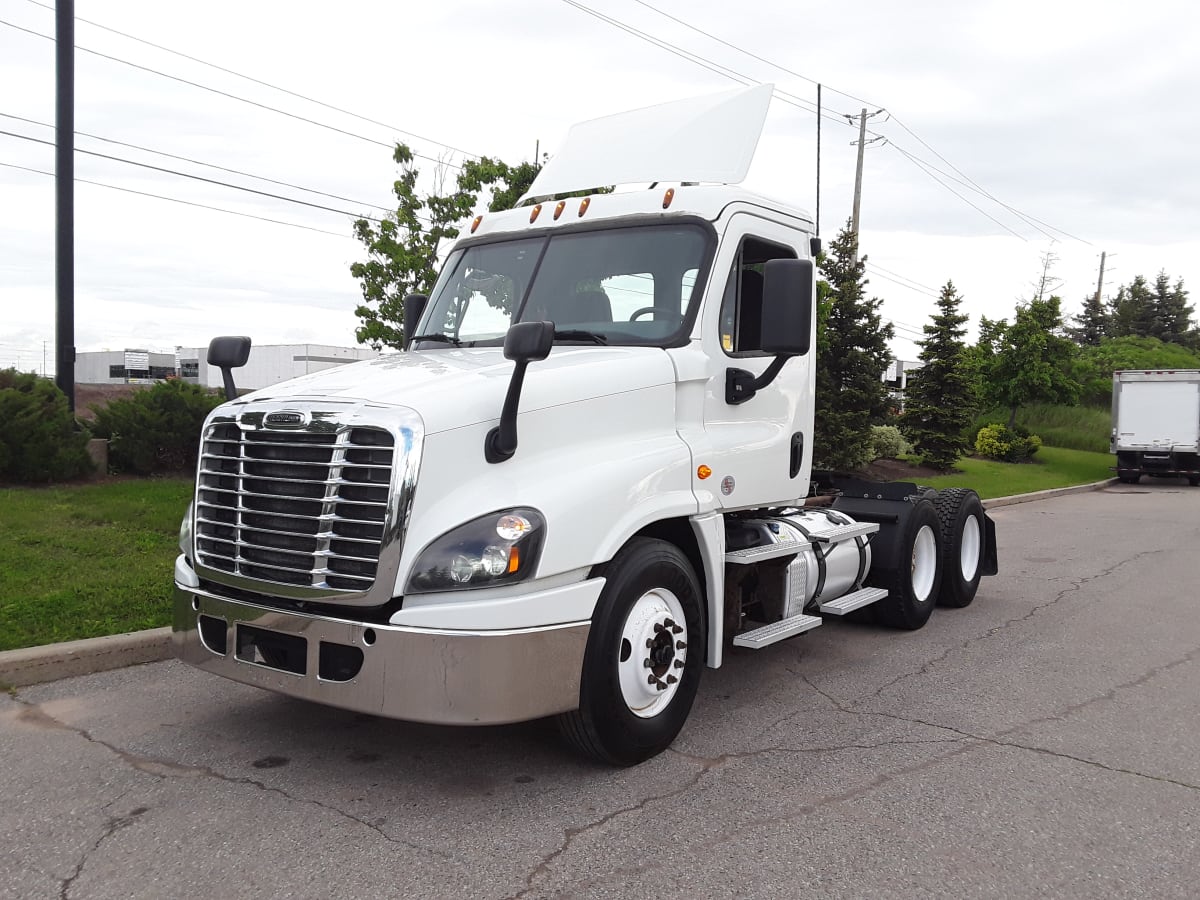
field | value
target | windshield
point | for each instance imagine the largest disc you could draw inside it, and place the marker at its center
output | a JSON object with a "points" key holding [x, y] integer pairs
{"points": [[607, 286]]}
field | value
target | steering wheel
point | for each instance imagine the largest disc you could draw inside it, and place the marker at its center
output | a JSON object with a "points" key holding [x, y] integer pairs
{"points": [[657, 310]]}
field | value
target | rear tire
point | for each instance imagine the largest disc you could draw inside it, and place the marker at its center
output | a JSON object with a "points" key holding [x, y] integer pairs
{"points": [[913, 586], [644, 656], [960, 514]]}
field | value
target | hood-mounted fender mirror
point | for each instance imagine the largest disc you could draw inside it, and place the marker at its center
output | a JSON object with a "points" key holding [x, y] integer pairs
{"points": [[524, 342], [228, 353]]}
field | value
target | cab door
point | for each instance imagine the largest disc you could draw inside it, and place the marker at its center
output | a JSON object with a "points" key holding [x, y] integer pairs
{"points": [[758, 451]]}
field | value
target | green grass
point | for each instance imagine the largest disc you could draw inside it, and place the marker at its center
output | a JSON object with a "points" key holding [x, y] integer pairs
{"points": [[87, 560], [1053, 467], [1075, 427]]}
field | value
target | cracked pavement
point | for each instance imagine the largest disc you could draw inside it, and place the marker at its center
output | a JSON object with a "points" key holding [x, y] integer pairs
{"points": [[1045, 741]]}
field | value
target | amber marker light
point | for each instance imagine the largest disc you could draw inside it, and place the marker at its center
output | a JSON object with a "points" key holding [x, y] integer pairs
{"points": [[562, 204], [703, 472], [533, 214], [475, 224], [514, 560], [584, 204], [668, 197]]}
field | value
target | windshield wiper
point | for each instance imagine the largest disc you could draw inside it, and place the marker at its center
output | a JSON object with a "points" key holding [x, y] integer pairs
{"points": [[438, 336], [578, 334]]}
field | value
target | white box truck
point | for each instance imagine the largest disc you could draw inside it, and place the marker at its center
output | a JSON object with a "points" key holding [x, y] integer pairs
{"points": [[583, 482], [1156, 424]]}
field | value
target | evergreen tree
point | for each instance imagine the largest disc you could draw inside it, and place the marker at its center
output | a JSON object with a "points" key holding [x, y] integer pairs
{"points": [[851, 395], [1091, 325], [1132, 311], [1173, 314], [939, 400]]}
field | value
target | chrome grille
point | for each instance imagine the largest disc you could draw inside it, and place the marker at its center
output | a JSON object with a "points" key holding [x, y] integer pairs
{"points": [[303, 508]]}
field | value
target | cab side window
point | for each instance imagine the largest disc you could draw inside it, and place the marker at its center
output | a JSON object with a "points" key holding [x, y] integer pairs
{"points": [[741, 306]]}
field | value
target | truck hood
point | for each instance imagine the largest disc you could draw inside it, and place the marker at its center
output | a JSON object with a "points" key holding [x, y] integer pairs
{"points": [[455, 388]]}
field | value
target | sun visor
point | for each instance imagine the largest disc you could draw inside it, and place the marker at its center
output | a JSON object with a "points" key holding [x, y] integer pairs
{"points": [[705, 139]]}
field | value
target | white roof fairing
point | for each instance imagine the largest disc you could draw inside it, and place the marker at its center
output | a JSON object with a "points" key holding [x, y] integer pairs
{"points": [[703, 139]]}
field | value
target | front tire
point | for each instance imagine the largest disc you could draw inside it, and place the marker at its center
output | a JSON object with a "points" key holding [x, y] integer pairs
{"points": [[644, 656], [960, 514], [912, 586]]}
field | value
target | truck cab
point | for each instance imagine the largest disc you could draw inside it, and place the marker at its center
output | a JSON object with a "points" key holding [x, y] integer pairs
{"points": [[582, 483]]}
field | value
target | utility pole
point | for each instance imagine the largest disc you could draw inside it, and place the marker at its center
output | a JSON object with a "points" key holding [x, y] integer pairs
{"points": [[64, 196], [858, 172], [1100, 280]]}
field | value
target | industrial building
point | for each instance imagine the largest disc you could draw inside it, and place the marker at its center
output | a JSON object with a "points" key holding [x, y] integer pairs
{"points": [[268, 364]]}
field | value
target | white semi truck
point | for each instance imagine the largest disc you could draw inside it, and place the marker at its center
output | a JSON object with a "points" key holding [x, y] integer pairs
{"points": [[583, 482], [1156, 424]]}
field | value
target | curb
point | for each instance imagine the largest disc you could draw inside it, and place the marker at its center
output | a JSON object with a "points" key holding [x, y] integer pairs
{"points": [[1047, 494], [35, 665]]}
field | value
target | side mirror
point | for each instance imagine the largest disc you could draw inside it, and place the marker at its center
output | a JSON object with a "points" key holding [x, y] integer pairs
{"points": [[228, 353], [414, 305], [524, 342], [788, 289]]}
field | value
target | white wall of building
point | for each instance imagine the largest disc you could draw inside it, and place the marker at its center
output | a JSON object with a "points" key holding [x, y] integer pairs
{"points": [[268, 364]]}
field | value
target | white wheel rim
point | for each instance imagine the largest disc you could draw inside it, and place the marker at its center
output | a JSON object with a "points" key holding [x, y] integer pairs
{"points": [[652, 653], [924, 563], [970, 548]]}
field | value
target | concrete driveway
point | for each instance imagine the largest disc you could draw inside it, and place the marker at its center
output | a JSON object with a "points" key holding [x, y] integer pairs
{"points": [[1044, 742]]}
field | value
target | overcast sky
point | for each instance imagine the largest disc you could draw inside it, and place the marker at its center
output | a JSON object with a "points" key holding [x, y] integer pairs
{"points": [[1071, 120]]}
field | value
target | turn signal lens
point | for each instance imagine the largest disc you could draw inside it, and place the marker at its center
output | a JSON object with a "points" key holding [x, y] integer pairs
{"points": [[514, 559], [703, 472], [558, 210], [668, 197], [584, 204], [475, 224], [534, 213]]}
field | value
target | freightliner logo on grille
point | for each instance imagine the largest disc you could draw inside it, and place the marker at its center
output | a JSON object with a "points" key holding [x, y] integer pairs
{"points": [[285, 419]]}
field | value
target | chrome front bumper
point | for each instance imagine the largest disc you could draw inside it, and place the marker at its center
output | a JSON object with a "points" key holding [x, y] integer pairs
{"points": [[419, 674]]}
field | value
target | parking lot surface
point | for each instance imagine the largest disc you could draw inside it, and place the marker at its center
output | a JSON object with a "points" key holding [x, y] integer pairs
{"points": [[1044, 741]]}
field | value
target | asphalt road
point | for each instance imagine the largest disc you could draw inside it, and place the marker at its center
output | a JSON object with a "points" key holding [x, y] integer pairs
{"points": [[1044, 742]]}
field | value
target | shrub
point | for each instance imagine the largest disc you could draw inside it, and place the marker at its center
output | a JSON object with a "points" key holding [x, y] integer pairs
{"points": [[40, 440], [156, 430], [1008, 444], [888, 443]]}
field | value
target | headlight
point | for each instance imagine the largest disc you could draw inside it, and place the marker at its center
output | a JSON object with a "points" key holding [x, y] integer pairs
{"points": [[499, 548], [185, 534]]}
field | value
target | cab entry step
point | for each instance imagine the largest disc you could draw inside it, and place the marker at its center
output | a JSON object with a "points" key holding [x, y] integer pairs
{"points": [[839, 533], [852, 601], [766, 635], [765, 552]]}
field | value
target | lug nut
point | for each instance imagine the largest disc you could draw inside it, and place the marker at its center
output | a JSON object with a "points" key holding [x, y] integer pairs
{"points": [[680, 645], [670, 623], [646, 664], [678, 664], [671, 679], [649, 642], [660, 687], [658, 628], [651, 679], [676, 629]]}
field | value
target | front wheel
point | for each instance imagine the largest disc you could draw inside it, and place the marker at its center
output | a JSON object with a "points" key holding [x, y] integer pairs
{"points": [[644, 656]]}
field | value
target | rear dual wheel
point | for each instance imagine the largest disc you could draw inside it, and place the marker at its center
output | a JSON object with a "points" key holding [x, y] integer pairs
{"points": [[961, 523], [913, 585]]}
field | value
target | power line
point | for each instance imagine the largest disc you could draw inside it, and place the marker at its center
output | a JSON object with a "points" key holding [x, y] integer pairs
{"points": [[719, 69], [230, 96], [184, 202], [198, 162], [925, 167], [707, 63], [752, 55], [924, 287], [236, 187], [259, 81]]}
